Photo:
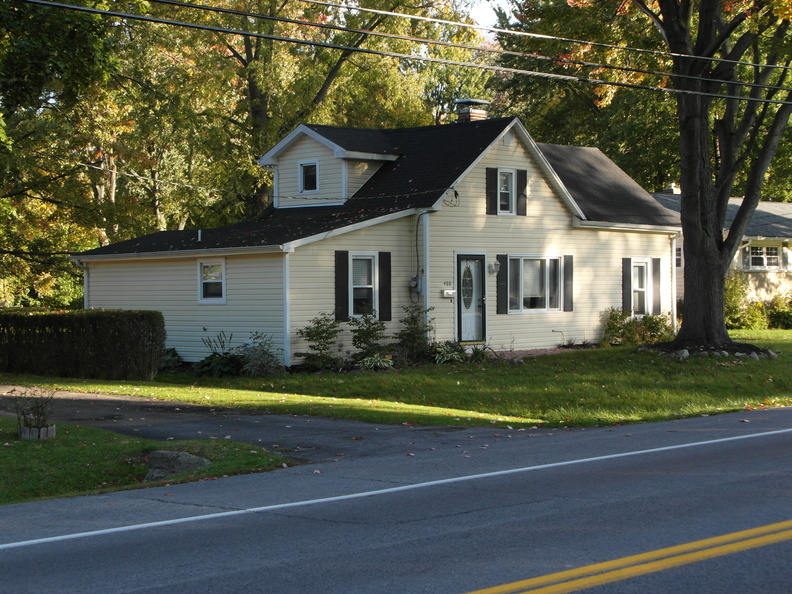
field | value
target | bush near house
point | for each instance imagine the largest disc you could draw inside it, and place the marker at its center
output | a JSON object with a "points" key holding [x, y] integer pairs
{"points": [[106, 344], [620, 327], [744, 314]]}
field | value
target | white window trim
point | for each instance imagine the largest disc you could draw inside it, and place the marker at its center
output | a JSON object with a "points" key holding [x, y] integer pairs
{"points": [[300, 177], [527, 310], [765, 266], [648, 289], [374, 257], [211, 300], [512, 210]]}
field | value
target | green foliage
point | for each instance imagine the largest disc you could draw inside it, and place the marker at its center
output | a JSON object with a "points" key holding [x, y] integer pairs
{"points": [[260, 358], [375, 362], [779, 312], [320, 334], [413, 341], [449, 352], [735, 299], [367, 332], [620, 327], [754, 316], [223, 361], [113, 344], [171, 361]]}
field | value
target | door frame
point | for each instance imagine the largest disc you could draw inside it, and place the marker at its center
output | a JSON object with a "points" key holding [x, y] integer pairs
{"points": [[482, 258]]}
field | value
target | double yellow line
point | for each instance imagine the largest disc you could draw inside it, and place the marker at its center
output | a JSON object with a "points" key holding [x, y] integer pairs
{"points": [[653, 561]]}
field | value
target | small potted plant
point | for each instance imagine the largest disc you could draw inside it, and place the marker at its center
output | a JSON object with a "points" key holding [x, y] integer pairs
{"points": [[33, 407]]}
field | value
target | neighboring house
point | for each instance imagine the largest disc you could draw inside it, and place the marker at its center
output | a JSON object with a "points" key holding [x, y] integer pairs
{"points": [[764, 254], [510, 243]]}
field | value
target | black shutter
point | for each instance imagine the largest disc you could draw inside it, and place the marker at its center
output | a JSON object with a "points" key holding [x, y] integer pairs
{"points": [[522, 192], [492, 190], [656, 297], [384, 307], [342, 286], [626, 284], [568, 286], [502, 285]]}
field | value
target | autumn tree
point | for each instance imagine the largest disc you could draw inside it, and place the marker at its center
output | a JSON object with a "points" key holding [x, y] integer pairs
{"points": [[729, 65]]}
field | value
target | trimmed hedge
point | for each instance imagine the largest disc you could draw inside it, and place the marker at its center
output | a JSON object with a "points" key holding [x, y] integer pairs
{"points": [[95, 343]]}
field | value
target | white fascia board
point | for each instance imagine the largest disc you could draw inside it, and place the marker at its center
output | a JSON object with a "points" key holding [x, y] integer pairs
{"points": [[270, 158], [292, 245], [637, 228], [180, 254], [359, 156]]}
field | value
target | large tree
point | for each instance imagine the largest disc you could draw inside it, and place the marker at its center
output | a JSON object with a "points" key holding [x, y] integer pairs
{"points": [[730, 78]]}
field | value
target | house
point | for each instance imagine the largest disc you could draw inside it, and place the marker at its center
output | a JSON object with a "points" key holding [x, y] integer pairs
{"points": [[764, 255], [511, 243]]}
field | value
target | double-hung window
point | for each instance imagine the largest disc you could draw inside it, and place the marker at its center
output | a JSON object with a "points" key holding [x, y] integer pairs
{"points": [[309, 176], [640, 276], [506, 192], [765, 256], [363, 284], [211, 282], [535, 283]]}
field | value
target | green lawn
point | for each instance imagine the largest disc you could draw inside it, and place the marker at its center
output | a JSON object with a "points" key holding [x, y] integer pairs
{"points": [[83, 460], [576, 388]]}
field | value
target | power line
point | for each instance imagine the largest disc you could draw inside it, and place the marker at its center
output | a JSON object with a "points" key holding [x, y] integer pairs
{"points": [[451, 44], [536, 35], [398, 55]]}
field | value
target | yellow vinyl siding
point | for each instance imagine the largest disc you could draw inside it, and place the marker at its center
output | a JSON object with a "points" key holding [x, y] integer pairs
{"points": [[463, 227], [358, 173], [254, 300], [330, 178], [312, 275]]}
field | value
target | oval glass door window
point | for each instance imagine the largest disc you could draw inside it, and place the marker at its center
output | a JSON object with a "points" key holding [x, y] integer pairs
{"points": [[467, 287]]}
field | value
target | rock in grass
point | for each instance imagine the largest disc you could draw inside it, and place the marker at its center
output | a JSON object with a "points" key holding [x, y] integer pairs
{"points": [[167, 463]]}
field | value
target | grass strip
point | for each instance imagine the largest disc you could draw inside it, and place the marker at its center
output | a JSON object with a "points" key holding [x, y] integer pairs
{"points": [[84, 460]]}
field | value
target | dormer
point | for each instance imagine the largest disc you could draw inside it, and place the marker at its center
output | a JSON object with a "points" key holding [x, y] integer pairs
{"points": [[324, 165]]}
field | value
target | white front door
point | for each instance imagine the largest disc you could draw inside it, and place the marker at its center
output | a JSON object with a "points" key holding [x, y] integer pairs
{"points": [[470, 296]]}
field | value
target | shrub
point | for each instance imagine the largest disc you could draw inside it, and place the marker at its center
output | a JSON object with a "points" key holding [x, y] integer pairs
{"points": [[171, 361], [259, 357], [621, 327], [367, 332], [779, 312], [108, 344], [735, 300], [375, 362], [320, 334], [449, 352], [223, 360], [754, 316], [412, 342]]}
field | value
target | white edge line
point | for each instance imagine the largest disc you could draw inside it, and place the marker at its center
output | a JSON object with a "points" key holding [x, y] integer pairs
{"points": [[279, 506]]}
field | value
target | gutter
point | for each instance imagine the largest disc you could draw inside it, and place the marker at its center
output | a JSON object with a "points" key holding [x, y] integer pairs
{"points": [[176, 254], [636, 227]]}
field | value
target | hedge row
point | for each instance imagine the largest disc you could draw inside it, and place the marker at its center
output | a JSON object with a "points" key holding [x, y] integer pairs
{"points": [[107, 344]]}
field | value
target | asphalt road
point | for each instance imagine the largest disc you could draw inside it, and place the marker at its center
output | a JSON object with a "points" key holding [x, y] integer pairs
{"points": [[404, 509]]}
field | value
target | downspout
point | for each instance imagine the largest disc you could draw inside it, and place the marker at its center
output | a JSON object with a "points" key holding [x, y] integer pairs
{"points": [[427, 299], [286, 312], [673, 239]]}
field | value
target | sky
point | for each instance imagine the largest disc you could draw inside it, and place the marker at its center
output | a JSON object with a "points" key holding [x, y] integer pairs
{"points": [[482, 11]]}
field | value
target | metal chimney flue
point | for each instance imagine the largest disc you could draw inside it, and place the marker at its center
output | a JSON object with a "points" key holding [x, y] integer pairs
{"points": [[471, 110]]}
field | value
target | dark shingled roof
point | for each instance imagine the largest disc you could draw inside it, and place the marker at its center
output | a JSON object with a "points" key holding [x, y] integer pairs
{"points": [[430, 160], [602, 190], [770, 219]]}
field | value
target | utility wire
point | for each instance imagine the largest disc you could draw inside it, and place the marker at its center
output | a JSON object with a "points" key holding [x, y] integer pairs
{"points": [[398, 55], [451, 44], [536, 35]]}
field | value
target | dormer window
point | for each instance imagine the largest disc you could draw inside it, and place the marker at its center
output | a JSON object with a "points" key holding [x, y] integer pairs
{"points": [[309, 176]]}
